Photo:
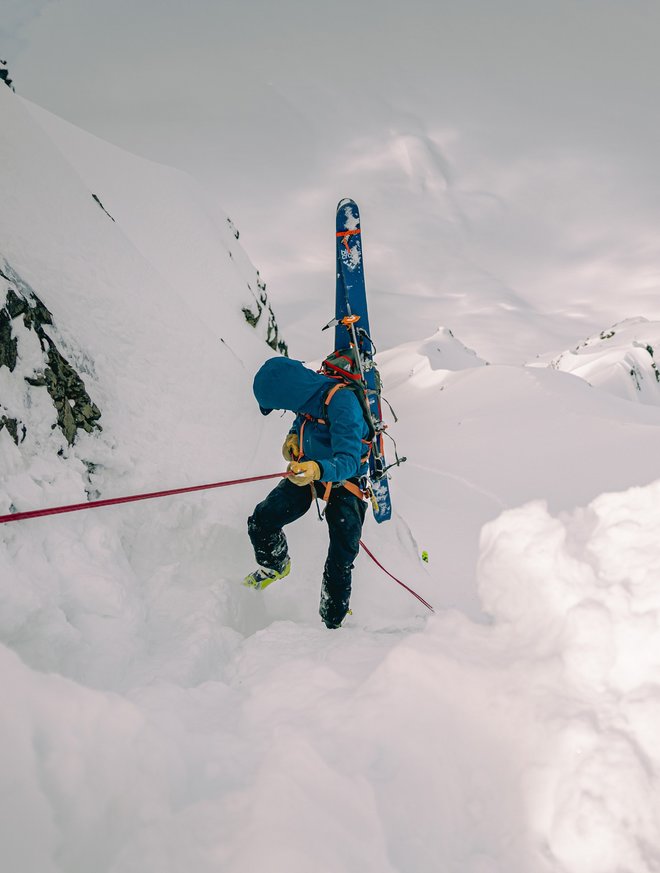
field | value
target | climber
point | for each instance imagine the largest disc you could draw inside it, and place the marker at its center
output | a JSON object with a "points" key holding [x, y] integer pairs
{"points": [[328, 450]]}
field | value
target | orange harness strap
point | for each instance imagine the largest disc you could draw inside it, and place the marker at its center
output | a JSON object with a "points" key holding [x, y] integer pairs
{"points": [[355, 489], [331, 393], [307, 417], [349, 486], [300, 440]]}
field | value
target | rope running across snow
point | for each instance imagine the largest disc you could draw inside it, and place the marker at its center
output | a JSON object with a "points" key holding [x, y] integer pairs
{"points": [[115, 501]]}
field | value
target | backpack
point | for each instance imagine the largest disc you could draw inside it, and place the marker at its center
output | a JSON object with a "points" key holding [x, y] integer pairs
{"points": [[343, 366]]}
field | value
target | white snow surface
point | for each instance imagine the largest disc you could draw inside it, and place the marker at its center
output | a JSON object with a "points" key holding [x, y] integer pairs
{"points": [[159, 717], [620, 359]]}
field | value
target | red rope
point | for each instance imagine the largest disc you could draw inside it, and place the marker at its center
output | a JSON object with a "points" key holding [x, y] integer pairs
{"points": [[398, 581], [94, 504], [114, 501]]}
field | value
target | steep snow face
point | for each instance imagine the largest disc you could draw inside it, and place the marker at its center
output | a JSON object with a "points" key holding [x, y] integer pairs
{"points": [[620, 359], [150, 289], [144, 300], [187, 238]]}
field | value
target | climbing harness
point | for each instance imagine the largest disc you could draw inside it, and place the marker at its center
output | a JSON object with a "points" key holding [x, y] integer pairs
{"points": [[362, 493]]}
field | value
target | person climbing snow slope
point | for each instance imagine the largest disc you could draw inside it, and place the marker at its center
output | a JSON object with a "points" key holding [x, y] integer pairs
{"points": [[327, 449]]}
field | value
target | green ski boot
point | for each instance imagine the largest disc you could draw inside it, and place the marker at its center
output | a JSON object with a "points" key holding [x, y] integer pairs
{"points": [[262, 577]]}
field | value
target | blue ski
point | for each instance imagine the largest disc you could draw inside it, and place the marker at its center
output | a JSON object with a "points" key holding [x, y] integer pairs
{"points": [[351, 309]]}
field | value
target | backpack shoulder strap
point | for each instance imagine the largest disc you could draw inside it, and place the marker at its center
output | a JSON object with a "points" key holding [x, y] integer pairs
{"points": [[361, 400], [331, 393]]}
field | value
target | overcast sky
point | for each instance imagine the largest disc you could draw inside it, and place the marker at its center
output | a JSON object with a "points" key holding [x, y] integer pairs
{"points": [[272, 105], [216, 74]]}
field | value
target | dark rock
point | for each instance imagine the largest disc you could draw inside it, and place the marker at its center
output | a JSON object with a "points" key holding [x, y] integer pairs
{"points": [[75, 409], [8, 342], [13, 425]]}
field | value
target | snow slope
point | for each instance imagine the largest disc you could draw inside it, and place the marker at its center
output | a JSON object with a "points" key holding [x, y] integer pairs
{"points": [[160, 717], [620, 359], [480, 439]]}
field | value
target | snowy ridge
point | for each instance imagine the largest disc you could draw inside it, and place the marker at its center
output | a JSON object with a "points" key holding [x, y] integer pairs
{"points": [[159, 717], [435, 356], [620, 359]]}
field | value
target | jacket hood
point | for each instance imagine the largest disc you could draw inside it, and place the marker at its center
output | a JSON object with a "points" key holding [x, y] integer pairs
{"points": [[282, 383]]}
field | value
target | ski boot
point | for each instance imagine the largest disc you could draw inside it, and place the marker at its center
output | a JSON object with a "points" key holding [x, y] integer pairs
{"points": [[332, 612], [262, 577]]}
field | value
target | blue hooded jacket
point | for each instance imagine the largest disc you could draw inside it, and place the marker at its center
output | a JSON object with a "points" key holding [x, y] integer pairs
{"points": [[337, 447]]}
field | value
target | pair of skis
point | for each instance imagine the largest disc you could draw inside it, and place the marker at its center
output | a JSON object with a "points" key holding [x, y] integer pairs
{"points": [[351, 325]]}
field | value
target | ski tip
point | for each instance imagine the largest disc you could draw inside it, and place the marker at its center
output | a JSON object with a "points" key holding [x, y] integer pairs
{"points": [[346, 201]]}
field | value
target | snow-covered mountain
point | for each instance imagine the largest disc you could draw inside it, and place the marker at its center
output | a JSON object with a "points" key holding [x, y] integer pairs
{"points": [[620, 359], [158, 716]]}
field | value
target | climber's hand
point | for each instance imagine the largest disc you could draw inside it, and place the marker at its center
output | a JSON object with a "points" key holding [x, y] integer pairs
{"points": [[291, 447], [304, 473]]}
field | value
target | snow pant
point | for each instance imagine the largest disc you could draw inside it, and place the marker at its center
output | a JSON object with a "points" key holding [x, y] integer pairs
{"points": [[344, 514]]}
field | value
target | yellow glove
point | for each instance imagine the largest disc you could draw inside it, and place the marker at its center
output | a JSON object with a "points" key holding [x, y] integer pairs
{"points": [[291, 447], [304, 473]]}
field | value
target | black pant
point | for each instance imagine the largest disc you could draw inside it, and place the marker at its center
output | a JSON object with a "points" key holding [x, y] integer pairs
{"points": [[345, 516]]}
